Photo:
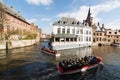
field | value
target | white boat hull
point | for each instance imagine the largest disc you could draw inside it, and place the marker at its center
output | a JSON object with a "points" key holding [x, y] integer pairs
{"points": [[62, 46], [57, 55], [116, 45]]}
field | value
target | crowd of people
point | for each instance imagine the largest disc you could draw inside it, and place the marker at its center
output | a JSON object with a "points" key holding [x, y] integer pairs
{"points": [[76, 63]]}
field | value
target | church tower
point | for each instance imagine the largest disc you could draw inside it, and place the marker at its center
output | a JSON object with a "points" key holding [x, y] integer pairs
{"points": [[89, 19]]}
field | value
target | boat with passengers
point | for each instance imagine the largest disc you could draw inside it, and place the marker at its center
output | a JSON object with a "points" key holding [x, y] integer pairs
{"points": [[116, 44], [50, 51], [78, 65]]}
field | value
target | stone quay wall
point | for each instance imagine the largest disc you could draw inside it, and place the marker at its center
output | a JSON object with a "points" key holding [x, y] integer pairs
{"points": [[17, 43]]}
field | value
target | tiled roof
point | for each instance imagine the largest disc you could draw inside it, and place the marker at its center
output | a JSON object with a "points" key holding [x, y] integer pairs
{"points": [[65, 21], [12, 12]]}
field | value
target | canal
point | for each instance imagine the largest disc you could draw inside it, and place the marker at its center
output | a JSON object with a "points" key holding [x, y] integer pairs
{"points": [[30, 64]]}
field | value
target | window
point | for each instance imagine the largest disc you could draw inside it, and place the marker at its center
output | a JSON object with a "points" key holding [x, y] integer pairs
{"points": [[86, 32], [105, 34], [0, 14], [71, 39], [58, 21], [100, 39], [96, 39], [104, 39], [86, 38], [73, 31], [75, 39], [67, 39], [97, 34], [58, 31], [79, 38], [100, 34], [63, 30], [62, 40], [89, 38], [93, 39], [89, 32], [81, 31], [68, 30], [77, 32], [64, 22], [57, 39]]}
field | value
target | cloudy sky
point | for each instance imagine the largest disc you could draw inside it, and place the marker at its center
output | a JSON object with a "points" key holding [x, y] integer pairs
{"points": [[44, 12]]}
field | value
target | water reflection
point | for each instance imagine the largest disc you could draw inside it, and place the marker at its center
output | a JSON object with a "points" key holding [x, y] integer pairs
{"points": [[3, 54], [75, 53]]}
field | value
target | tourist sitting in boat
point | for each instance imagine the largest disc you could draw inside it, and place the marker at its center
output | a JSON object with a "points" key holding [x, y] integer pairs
{"points": [[93, 60], [86, 60], [64, 65], [72, 64]]}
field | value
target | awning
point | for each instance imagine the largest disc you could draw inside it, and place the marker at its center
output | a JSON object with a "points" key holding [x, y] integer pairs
{"points": [[65, 35]]}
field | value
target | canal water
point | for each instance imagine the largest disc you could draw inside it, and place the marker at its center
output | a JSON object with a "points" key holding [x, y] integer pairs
{"points": [[30, 64]]}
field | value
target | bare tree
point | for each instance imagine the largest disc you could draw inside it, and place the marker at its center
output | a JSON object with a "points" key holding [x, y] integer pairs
{"points": [[3, 22]]}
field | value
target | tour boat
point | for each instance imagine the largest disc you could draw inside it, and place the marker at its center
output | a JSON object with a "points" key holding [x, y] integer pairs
{"points": [[51, 52], [81, 69], [116, 44]]}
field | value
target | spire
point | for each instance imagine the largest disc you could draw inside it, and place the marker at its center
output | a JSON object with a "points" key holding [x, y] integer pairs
{"points": [[89, 18]]}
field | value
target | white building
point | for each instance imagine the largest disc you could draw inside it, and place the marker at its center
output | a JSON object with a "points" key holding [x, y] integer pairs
{"points": [[71, 33]]}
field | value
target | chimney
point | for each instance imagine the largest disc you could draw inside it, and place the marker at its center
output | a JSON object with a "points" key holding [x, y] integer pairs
{"points": [[98, 24], [103, 25], [119, 30], [11, 7], [83, 22], [18, 12]]}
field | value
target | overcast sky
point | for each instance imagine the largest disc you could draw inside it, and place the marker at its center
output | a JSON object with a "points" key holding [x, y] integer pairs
{"points": [[44, 12]]}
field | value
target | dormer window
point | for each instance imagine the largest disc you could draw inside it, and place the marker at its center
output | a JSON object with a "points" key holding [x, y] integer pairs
{"points": [[78, 23], [115, 32], [73, 22], [64, 22], [109, 32], [58, 21]]}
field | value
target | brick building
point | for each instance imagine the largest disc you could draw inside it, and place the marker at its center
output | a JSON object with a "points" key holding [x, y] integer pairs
{"points": [[12, 23]]}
